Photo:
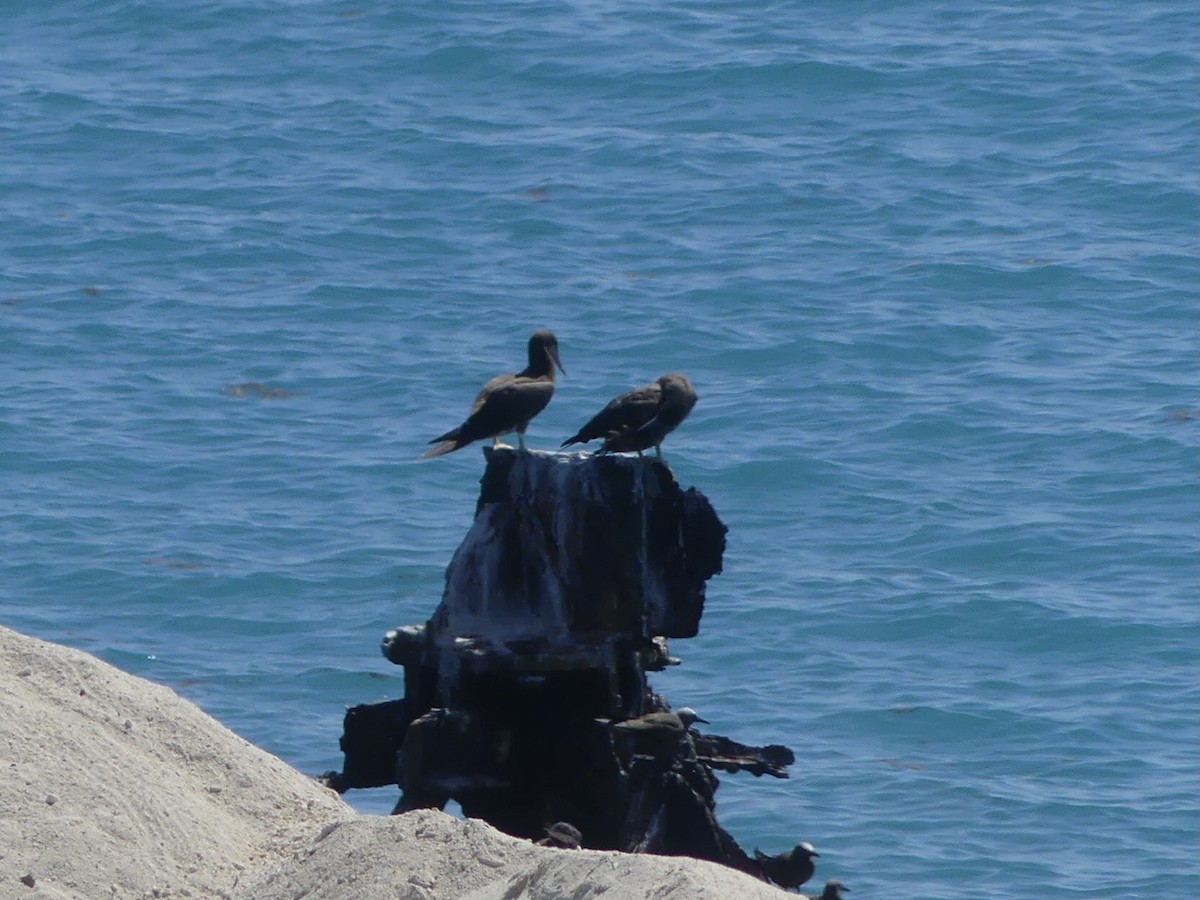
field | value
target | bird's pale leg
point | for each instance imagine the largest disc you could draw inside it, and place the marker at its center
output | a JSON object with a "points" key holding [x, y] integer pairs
{"points": [[521, 440]]}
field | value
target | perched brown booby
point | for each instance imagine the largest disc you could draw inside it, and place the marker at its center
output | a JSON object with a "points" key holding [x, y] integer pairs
{"points": [[659, 734], [507, 402], [833, 891], [641, 418], [791, 868]]}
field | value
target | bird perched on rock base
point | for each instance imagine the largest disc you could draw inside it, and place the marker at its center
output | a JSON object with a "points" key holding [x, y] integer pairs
{"points": [[791, 868], [658, 734], [562, 835], [833, 891], [640, 419], [507, 402]]}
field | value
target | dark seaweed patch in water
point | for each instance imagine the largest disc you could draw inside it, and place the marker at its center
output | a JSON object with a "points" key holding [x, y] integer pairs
{"points": [[256, 389]]}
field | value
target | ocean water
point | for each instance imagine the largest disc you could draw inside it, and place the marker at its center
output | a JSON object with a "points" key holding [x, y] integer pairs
{"points": [[932, 267]]}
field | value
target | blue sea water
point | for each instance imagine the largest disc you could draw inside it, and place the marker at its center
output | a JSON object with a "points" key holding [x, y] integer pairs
{"points": [[932, 267]]}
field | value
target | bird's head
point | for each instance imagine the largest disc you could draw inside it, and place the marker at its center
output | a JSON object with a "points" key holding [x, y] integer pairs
{"points": [[544, 345], [804, 848]]}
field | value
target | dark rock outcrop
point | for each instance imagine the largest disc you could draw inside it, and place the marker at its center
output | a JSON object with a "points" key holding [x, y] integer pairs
{"points": [[575, 572]]}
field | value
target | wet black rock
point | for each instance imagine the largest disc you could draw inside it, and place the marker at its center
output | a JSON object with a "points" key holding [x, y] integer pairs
{"points": [[520, 687]]}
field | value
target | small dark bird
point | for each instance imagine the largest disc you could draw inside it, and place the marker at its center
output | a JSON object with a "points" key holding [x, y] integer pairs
{"points": [[641, 418], [508, 402], [658, 734], [833, 891], [562, 835], [791, 868]]}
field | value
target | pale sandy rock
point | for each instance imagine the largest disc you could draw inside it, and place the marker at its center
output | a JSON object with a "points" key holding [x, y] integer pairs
{"points": [[428, 855], [112, 786]]}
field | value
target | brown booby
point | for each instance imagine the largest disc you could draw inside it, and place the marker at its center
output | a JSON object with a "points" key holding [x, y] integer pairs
{"points": [[658, 734], [789, 869], [507, 402], [833, 891], [641, 418]]}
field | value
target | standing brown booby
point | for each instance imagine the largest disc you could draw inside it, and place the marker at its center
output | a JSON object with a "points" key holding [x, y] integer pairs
{"points": [[507, 402], [641, 418]]}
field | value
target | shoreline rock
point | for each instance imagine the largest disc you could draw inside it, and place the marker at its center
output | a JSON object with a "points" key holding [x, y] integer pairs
{"points": [[114, 786], [428, 855], [526, 696], [150, 793]]}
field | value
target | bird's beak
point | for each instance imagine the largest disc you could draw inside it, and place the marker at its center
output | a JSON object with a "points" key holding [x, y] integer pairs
{"points": [[553, 351], [705, 721]]}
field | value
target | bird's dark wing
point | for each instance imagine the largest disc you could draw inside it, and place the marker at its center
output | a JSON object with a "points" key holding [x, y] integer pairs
{"points": [[504, 404], [487, 390], [507, 406], [628, 412], [676, 402]]}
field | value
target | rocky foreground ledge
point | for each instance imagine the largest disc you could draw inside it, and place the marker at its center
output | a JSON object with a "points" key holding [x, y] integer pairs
{"points": [[114, 787]]}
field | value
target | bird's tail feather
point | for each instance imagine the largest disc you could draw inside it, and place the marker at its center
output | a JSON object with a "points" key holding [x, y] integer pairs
{"points": [[447, 443], [441, 449]]}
